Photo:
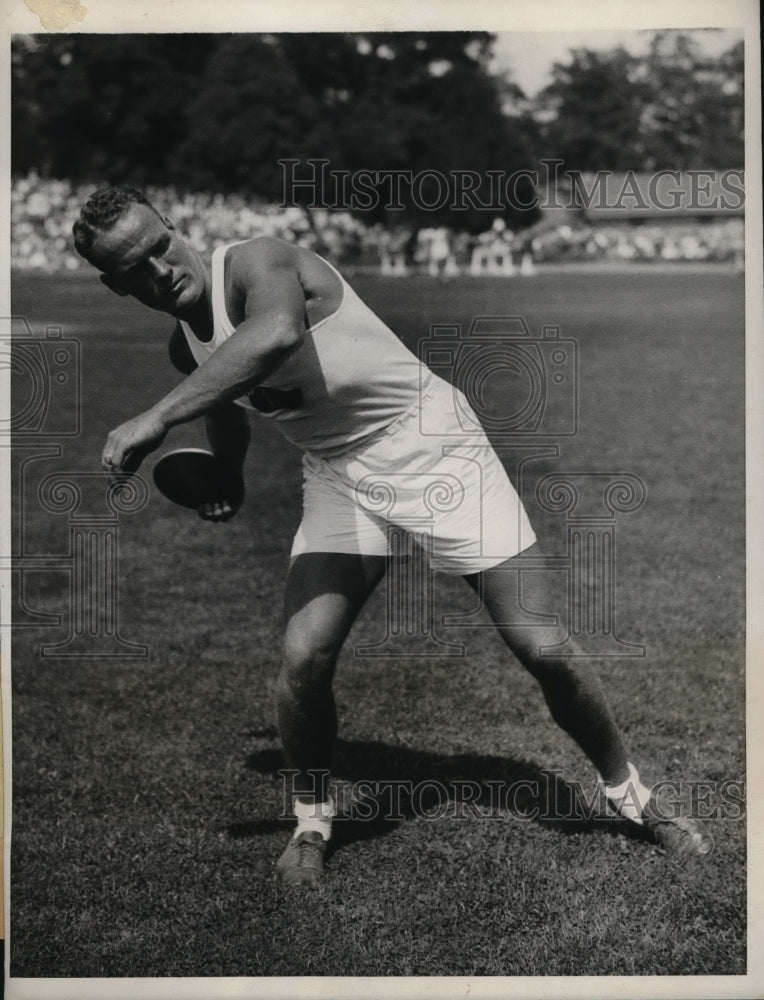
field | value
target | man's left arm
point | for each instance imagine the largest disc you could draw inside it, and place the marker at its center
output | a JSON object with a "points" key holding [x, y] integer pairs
{"points": [[229, 433]]}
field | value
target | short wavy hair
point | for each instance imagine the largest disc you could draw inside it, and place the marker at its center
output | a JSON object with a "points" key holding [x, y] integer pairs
{"points": [[100, 212]]}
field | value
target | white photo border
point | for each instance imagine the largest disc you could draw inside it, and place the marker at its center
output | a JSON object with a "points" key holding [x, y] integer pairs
{"points": [[110, 16]]}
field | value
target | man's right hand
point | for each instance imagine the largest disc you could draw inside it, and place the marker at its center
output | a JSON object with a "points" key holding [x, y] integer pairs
{"points": [[127, 445]]}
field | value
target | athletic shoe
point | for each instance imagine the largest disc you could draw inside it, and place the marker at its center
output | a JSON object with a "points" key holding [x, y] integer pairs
{"points": [[679, 835], [676, 834], [303, 860]]}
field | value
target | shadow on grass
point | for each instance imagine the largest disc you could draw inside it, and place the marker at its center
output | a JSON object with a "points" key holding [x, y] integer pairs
{"points": [[382, 786]]}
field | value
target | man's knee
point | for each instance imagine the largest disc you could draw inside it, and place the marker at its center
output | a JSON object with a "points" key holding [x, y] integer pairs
{"points": [[567, 682], [307, 665], [535, 648], [545, 667]]}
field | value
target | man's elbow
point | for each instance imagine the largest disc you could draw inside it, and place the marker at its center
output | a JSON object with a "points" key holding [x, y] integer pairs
{"points": [[286, 337]]}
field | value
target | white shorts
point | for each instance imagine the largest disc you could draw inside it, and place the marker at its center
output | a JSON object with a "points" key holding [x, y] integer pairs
{"points": [[446, 489]]}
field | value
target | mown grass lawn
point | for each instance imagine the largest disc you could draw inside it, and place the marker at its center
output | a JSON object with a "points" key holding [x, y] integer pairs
{"points": [[145, 791]]}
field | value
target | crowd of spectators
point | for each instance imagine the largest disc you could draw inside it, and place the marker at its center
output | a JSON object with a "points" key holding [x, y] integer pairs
{"points": [[42, 213], [719, 240]]}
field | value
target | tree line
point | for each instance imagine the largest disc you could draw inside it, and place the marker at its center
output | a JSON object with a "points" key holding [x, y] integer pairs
{"points": [[218, 112]]}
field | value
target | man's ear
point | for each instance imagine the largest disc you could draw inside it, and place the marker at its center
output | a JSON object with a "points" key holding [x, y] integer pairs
{"points": [[112, 285]]}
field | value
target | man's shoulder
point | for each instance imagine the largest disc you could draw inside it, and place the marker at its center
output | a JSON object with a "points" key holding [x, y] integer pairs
{"points": [[261, 253], [266, 262]]}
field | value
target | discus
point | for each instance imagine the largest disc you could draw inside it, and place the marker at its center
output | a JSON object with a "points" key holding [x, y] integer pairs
{"points": [[191, 477]]}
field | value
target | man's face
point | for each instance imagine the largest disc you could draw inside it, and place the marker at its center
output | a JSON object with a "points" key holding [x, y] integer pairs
{"points": [[141, 255]]}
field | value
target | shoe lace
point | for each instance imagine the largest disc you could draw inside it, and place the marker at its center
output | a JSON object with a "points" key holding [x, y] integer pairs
{"points": [[306, 851]]}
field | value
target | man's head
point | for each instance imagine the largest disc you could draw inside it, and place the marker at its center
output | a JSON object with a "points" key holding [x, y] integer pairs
{"points": [[138, 251]]}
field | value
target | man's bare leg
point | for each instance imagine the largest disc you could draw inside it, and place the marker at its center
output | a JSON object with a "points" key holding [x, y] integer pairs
{"points": [[570, 686], [575, 696], [325, 592]]}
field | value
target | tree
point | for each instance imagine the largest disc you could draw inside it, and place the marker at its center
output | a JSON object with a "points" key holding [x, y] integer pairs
{"points": [[423, 103], [693, 116], [591, 112], [102, 107], [672, 109], [249, 112]]}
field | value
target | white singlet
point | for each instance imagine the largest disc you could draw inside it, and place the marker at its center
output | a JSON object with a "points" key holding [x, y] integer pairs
{"points": [[353, 376]]}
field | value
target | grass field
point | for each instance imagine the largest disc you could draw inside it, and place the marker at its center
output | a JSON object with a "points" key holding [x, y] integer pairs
{"points": [[146, 798]]}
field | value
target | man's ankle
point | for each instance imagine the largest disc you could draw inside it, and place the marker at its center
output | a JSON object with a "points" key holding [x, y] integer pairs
{"points": [[630, 797], [314, 816]]}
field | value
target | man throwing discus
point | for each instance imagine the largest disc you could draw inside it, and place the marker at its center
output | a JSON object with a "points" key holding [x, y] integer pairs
{"points": [[268, 326]]}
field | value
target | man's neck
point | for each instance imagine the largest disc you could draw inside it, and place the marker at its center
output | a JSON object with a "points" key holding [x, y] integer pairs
{"points": [[199, 315]]}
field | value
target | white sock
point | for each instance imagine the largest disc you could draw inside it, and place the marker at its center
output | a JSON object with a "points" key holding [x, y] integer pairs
{"points": [[314, 816], [630, 797]]}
